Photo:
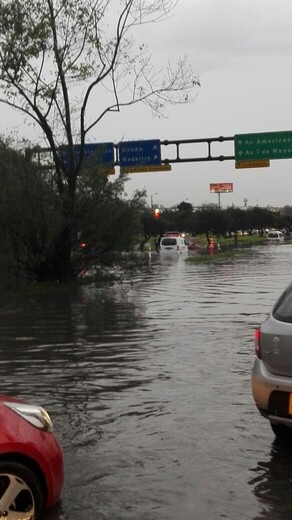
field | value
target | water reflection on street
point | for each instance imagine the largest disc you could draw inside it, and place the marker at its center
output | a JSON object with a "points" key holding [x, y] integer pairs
{"points": [[148, 384]]}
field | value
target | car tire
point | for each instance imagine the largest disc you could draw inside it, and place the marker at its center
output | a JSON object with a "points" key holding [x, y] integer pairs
{"points": [[28, 492], [281, 431]]}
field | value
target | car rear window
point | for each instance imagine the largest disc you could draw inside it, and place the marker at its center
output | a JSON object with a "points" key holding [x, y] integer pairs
{"points": [[283, 308], [168, 241]]}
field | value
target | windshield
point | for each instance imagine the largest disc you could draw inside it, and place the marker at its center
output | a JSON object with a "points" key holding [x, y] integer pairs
{"points": [[168, 241], [283, 308]]}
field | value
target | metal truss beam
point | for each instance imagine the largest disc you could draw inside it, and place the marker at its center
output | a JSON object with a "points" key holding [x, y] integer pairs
{"points": [[208, 157]]}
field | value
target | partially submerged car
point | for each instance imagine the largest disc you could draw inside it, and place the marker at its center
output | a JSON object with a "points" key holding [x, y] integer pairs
{"points": [[275, 237], [173, 244], [193, 244]]}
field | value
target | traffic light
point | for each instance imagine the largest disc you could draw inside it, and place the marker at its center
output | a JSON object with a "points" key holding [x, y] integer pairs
{"points": [[157, 213]]}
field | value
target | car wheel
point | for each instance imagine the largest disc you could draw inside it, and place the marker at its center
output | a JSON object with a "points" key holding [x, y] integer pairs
{"points": [[281, 431], [20, 491]]}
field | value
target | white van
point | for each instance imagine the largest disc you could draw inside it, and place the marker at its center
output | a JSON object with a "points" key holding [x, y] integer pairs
{"points": [[170, 245], [275, 237]]}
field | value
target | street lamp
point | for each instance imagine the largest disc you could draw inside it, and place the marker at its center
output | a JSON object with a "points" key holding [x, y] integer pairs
{"points": [[151, 199]]}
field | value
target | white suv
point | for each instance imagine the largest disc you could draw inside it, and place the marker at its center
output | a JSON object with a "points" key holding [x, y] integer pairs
{"points": [[275, 236], [173, 245]]}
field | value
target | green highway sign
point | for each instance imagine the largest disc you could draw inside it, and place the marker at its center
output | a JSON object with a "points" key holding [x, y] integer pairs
{"points": [[266, 145]]}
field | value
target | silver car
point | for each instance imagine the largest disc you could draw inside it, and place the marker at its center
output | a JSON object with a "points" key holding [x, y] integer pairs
{"points": [[272, 371]]}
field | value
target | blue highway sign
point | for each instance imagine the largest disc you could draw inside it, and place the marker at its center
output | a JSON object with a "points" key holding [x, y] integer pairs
{"points": [[139, 153], [95, 154]]}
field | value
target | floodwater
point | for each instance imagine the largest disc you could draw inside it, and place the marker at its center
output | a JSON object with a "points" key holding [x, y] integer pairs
{"points": [[148, 385]]}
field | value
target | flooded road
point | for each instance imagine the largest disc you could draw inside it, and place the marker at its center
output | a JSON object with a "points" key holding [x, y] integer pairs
{"points": [[148, 385]]}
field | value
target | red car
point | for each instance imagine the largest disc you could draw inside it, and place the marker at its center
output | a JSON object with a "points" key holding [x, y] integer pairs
{"points": [[31, 461]]}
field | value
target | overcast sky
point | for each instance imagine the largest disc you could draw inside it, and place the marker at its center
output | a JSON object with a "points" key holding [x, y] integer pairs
{"points": [[242, 53]]}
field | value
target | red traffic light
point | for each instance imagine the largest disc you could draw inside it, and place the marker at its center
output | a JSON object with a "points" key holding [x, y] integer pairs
{"points": [[157, 213]]}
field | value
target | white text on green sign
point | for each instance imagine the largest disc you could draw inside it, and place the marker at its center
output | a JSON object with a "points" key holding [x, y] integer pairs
{"points": [[266, 145]]}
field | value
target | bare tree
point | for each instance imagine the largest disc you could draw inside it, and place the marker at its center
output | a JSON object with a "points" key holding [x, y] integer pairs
{"points": [[59, 57]]}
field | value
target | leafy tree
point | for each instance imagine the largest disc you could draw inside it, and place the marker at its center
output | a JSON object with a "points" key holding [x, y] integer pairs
{"points": [[185, 207], [284, 218], [235, 220], [184, 217], [31, 219], [287, 211], [155, 227], [260, 218], [58, 57], [30, 216], [105, 220], [210, 220]]}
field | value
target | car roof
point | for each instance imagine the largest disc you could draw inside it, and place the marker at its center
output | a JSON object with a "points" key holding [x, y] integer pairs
{"points": [[172, 234]]}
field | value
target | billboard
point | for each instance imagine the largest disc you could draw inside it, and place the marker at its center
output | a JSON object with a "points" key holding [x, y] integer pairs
{"points": [[223, 187]]}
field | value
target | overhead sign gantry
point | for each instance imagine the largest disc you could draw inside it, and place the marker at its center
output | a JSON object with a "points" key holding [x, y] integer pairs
{"points": [[250, 151]]}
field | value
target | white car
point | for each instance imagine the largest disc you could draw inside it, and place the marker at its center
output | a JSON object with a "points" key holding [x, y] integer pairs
{"points": [[173, 245], [275, 237]]}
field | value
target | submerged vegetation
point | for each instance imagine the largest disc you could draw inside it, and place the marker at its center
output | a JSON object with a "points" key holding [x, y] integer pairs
{"points": [[218, 257]]}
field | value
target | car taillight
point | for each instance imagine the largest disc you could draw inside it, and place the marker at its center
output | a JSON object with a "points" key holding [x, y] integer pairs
{"points": [[257, 342]]}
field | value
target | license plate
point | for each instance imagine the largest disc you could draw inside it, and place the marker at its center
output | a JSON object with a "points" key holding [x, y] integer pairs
{"points": [[290, 403]]}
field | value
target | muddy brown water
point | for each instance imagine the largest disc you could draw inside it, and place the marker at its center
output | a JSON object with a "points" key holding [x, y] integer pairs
{"points": [[148, 385]]}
